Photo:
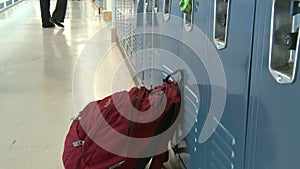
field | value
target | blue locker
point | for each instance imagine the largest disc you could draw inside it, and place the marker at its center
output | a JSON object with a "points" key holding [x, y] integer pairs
{"points": [[232, 36], [146, 32], [273, 130], [229, 27], [130, 7], [143, 38], [256, 45], [166, 46], [139, 39], [9, 2], [2, 5], [196, 87]]}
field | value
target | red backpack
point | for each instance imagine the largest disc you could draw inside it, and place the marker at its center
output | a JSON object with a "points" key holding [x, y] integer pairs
{"points": [[118, 131]]}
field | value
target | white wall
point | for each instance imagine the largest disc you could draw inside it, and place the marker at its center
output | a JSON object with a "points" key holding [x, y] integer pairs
{"points": [[109, 4]]}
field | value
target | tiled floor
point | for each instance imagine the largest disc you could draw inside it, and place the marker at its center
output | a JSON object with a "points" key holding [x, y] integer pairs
{"points": [[38, 79]]}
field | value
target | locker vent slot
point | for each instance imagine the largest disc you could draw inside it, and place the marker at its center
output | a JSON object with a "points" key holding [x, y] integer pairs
{"points": [[222, 148]]}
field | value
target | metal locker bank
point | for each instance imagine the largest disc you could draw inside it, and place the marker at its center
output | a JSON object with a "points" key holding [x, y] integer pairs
{"points": [[240, 85]]}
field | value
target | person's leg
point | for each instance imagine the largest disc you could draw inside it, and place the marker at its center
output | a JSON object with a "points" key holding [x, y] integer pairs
{"points": [[45, 13], [60, 10]]}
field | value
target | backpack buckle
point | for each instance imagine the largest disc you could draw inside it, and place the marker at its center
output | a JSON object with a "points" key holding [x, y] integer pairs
{"points": [[78, 143], [75, 118]]}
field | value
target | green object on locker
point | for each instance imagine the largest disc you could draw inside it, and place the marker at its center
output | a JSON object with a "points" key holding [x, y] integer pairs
{"points": [[185, 6]]}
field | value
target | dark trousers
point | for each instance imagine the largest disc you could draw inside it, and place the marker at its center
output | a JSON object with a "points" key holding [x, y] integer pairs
{"points": [[59, 12]]}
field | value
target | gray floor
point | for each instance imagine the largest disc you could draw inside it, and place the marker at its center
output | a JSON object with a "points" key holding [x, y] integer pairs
{"points": [[37, 79]]}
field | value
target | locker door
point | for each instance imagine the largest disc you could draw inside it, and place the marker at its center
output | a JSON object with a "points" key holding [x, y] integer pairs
{"points": [[144, 42], [157, 51], [166, 53], [232, 36], [196, 83], [273, 139], [229, 26], [139, 39], [148, 43]]}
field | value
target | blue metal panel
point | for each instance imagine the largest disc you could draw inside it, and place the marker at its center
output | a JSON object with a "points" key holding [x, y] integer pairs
{"points": [[9, 2], [225, 148], [166, 49], [273, 130], [139, 39], [236, 59], [1, 5], [195, 116], [147, 42]]}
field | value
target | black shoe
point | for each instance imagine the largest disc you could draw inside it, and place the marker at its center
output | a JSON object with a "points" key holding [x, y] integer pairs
{"points": [[48, 25], [56, 22]]}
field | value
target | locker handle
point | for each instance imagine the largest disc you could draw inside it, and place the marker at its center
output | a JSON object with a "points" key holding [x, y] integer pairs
{"points": [[221, 19], [155, 6], [188, 15], [167, 9], [284, 40], [146, 3]]}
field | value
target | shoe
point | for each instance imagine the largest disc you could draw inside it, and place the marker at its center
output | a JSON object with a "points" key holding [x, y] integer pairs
{"points": [[48, 25], [56, 22]]}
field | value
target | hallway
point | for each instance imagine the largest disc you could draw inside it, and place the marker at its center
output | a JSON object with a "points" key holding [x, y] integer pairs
{"points": [[39, 84]]}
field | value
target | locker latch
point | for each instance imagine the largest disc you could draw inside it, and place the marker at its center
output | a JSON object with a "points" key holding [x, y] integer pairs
{"points": [[284, 40], [221, 15], [187, 7], [167, 9], [146, 4], [155, 6]]}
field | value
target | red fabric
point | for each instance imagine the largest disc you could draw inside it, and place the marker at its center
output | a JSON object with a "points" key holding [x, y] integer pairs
{"points": [[92, 156]]}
